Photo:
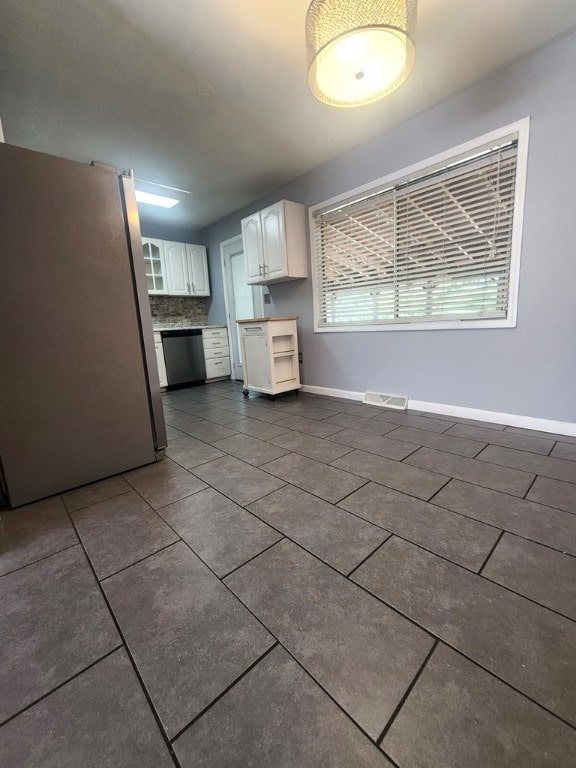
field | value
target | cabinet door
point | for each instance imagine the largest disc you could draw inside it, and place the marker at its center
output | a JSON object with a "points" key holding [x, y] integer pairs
{"points": [[256, 361], [252, 241], [198, 269], [274, 242], [217, 368], [154, 265], [177, 269]]}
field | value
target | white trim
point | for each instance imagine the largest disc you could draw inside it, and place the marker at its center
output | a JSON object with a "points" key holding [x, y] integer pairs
{"points": [[230, 247], [329, 392], [509, 419], [522, 128]]}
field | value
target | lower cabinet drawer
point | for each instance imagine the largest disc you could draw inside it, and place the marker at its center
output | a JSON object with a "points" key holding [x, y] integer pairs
{"points": [[214, 333], [216, 354], [216, 342], [216, 368]]}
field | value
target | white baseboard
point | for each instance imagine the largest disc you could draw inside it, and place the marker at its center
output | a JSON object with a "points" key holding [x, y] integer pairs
{"points": [[510, 419]]}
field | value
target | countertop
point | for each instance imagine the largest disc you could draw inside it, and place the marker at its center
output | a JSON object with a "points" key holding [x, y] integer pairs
{"points": [[180, 327], [269, 319]]}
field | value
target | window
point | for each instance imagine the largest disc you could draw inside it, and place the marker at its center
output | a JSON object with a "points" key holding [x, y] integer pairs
{"points": [[435, 246]]}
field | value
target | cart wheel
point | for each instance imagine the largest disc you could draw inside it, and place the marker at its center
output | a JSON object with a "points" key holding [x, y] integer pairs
{"points": [[245, 392]]}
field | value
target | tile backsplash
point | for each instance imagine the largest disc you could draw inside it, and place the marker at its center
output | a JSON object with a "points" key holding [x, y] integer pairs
{"points": [[178, 310]]}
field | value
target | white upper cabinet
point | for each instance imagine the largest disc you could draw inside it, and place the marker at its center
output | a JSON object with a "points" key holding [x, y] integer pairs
{"points": [[252, 241], [275, 245], [154, 266], [198, 270], [176, 269]]}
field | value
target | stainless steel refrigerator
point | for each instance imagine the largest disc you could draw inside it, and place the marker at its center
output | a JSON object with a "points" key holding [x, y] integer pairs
{"points": [[79, 388]]}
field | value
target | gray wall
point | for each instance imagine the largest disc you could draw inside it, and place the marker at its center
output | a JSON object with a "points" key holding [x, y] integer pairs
{"points": [[530, 369], [162, 231]]}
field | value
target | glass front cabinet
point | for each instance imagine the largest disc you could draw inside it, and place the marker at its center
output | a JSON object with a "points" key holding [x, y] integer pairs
{"points": [[154, 264]]}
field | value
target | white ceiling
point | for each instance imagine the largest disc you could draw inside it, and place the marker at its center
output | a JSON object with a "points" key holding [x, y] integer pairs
{"points": [[211, 95]]}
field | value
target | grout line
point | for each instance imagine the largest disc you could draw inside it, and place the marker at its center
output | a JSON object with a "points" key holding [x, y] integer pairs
{"points": [[129, 653], [187, 496], [367, 449], [325, 691], [407, 693], [223, 693], [484, 446], [347, 496], [390, 760], [416, 543], [393, 534], [531, 600], [304, 455], [60, 685], [416, 448], [410, 620], [141, 560], [261, 623], [449, 478], [338, 503], [489, 555], [39, 560], [536, 476], [282, 537], [430, 500], [339, 573], [100, 501], [349, 574], [508, 530], [476, 662], [554, 444], [278, 642], [306, 671]]}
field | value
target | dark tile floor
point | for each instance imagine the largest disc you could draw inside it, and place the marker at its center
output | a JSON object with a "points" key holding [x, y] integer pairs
{"points": [[306, 582]]}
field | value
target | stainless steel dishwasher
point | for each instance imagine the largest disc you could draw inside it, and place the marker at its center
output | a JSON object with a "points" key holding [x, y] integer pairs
{"points": [[184, 357]]}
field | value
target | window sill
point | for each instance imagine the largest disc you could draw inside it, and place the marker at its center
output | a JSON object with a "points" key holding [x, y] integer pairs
{"points": [[445, 325]]}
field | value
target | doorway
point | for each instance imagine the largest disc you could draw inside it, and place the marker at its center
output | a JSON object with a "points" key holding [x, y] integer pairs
{"points": [[243, 301]]}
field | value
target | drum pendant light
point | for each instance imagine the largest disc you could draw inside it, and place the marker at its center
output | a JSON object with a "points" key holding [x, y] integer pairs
{"points": [[358, 50]]}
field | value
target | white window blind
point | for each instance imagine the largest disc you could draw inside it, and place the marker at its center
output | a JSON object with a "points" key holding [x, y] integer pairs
{"points": [[435, 246]]}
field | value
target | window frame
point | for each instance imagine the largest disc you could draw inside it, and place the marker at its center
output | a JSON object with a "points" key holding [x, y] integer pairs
{"points": [[521, 128]]}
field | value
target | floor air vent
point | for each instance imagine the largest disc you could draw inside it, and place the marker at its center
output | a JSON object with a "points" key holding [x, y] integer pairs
{"points": [[397, 402]]}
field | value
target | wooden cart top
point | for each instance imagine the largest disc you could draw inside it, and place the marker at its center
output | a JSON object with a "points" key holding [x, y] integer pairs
{"points": [[267, 319]]}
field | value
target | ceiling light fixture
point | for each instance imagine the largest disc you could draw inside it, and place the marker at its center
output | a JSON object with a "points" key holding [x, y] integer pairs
{"points": [[358, 50], [149, 199]]}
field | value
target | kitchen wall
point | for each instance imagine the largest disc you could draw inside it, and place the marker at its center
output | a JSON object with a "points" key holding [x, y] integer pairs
{"points": [[528, 370], [167, 231]]}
